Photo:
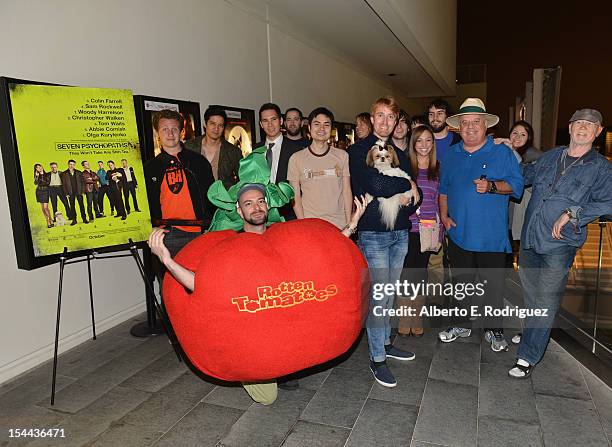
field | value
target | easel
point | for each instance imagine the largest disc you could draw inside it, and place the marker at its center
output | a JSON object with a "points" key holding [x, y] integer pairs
{"points": [[65, 259]]}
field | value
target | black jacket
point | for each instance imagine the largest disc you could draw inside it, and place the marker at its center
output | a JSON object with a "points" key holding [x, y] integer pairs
{"points": [[133, 176], [67, 184], [365, 179], [288, 148], [199, 178], [229, 159]]}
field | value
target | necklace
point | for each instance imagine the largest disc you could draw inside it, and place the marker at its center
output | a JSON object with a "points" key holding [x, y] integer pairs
{"points": [[319, 155], [571, 164]]}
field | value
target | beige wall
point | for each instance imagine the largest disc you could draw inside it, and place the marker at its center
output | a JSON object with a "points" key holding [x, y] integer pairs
{"points": [[208, 51]]}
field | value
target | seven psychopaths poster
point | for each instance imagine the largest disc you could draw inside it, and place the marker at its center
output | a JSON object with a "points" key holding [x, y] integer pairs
{"points": [[54, 125]]}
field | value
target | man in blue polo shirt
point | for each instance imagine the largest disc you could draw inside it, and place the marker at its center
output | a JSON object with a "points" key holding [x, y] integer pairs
{"points": [[476, 182]]}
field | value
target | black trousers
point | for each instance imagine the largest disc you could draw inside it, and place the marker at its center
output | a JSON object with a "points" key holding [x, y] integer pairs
{"points": [[472, 267], [56, 192], [104, 191], [79, 199], [130, 188], [174, 241], [92, 204], [117, 200], [415, 262]]}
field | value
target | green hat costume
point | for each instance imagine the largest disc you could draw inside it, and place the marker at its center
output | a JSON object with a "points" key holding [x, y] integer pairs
{"points": [[253, 169]]}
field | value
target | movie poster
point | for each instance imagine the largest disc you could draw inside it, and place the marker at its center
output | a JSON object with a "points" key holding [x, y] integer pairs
{"points": [[80, 164], [240, 128], [146, 106]]}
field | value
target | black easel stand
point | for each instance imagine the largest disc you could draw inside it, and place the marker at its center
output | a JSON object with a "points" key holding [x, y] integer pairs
{"points": [[63, 262], [152, 326], [163, 319]]}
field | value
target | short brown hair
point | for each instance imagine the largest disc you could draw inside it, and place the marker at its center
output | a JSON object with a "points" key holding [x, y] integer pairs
{"points": [[387, 101], [169, 115]]}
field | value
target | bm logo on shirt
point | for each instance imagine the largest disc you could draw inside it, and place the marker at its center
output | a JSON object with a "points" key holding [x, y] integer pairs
{"points": [[175, 179]]}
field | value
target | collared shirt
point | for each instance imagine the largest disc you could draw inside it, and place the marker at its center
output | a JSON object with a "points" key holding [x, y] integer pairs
{"points": [[55, 179], [585, 188], [102, 176], [482, 219], [128, 175], [276, 150]]}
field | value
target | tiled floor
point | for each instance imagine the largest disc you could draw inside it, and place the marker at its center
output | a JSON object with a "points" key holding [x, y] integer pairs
{"points": [[123, 391]]}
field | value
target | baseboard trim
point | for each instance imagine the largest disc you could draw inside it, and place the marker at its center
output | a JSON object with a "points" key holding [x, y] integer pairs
{"points": [[36, 358]]}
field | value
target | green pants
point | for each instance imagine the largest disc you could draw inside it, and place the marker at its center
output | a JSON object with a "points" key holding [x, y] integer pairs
{"points": [[264, 393]]}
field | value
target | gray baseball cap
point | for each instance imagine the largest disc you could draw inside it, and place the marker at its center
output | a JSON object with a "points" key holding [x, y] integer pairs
{"points": [[250, 186], [590, 115]]}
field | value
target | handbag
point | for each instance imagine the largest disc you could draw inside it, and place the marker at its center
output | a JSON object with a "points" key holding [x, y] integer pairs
{"points": [[429, 234]]}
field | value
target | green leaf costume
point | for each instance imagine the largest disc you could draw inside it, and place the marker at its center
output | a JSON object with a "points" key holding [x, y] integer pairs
{"points": [[253, 169]]}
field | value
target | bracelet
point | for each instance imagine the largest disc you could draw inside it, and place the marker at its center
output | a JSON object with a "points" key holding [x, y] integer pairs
{"points": [[351, 230], [569, 213], [493, 188]]}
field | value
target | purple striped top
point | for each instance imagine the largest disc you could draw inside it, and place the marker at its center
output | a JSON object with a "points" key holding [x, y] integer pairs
{"points": [[430, 206]]}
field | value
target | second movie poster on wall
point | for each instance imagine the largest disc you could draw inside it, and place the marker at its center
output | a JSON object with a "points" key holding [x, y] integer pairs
{"points": [[240, 128]]}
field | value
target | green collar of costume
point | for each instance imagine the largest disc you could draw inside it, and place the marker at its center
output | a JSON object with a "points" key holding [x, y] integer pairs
{"points": [[253, 169]]}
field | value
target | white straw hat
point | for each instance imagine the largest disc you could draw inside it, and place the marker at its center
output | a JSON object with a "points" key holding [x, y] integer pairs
{"points": [[472, 106]]}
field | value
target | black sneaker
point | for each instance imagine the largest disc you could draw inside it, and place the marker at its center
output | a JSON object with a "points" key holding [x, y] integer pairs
{"points": [[382, 374], [398, 354]]}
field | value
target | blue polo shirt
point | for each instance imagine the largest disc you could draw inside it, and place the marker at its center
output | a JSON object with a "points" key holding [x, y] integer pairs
{"points": [[482, 219]]}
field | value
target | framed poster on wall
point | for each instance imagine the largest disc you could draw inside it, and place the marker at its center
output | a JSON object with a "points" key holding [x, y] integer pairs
{"points": [[343, 134], [240, 128], [68, 153], [146, 106]]}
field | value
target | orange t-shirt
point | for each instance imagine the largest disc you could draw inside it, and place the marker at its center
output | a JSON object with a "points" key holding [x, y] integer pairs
{"points": [[175, 199]]}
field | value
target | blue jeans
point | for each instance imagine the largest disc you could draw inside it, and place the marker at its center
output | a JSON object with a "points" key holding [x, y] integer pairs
{"points": [[543, 277], [385, 253]]}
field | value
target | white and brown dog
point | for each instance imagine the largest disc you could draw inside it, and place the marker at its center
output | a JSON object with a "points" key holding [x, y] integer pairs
{"points": [[383, 157], [59, 219]]}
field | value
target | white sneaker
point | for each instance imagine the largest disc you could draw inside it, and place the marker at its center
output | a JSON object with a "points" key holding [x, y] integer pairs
{"points": [[452, 333], [497, 340]]}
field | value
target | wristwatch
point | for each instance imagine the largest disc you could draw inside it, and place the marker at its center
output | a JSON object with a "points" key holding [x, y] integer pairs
{"points": [[492, 188], [569, 213]]}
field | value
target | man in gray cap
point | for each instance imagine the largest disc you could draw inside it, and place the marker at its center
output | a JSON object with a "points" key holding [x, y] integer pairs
{"points": [[572, 186]]}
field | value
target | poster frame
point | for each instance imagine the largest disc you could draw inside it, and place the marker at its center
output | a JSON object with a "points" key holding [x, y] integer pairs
{"points": [[145, 125], [248, 114], [20, 223]]}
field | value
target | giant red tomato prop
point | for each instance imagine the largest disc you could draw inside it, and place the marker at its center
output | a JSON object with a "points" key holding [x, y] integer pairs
{"points": [[268, 305]]}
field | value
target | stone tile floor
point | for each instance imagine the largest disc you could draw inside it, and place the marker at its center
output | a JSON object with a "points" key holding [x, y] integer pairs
{"points": [[123, 391]]}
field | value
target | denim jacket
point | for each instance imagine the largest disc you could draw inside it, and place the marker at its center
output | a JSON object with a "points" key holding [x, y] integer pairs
{"points": [[585, 189]]}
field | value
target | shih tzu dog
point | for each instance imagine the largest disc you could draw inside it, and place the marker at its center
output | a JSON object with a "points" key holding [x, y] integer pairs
{"points": [[59, 219], [383, 157]]}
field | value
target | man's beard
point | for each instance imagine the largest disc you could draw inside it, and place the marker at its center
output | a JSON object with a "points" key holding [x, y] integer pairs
{"points": [[257, 221], [439, 128], [295, 133]]}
